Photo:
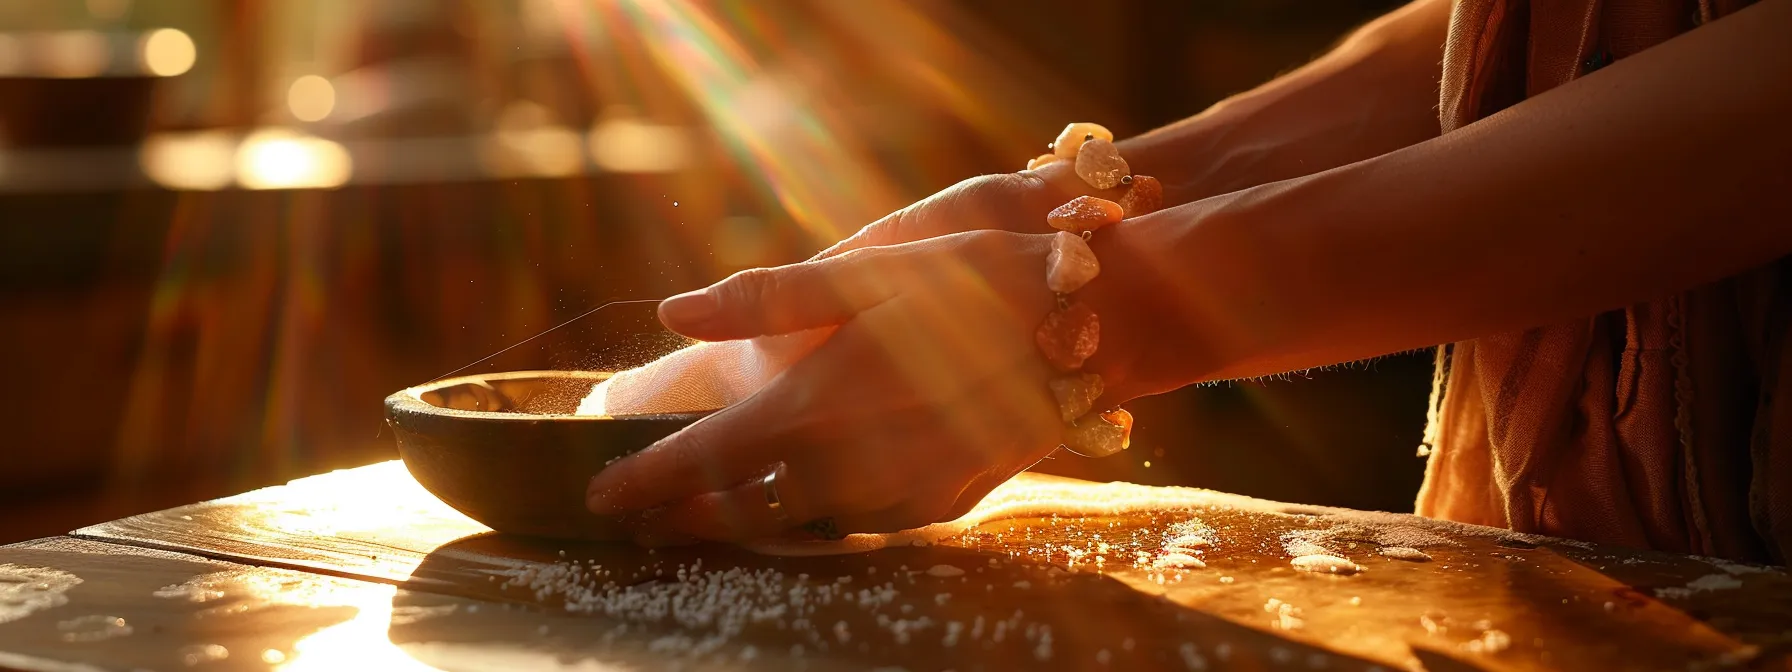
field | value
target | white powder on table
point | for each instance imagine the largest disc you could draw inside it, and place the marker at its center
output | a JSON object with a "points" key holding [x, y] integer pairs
{"points": [[1325, 564]]}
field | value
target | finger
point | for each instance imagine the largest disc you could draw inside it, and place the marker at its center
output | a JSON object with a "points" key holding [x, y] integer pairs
{"points": [[1011, 201], [782, 300], [918, 512], [735, 514], [897, 227], [746, 512], [715, 453]]}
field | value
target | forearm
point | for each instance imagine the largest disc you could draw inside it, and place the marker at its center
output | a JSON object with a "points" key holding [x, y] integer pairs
{"points": [[1660, 172], [1375, 93]]}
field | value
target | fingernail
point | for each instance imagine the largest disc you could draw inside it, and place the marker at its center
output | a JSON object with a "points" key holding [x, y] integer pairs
{"points": [[690, 309]]}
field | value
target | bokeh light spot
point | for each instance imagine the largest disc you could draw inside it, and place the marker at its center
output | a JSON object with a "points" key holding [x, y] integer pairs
{"points": [[530, 142], [168, 52], [627, 145], [311, 98], [201, 161], [283, 159]]}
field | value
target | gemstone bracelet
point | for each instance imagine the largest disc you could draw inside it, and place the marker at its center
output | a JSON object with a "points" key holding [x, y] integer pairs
{"points": [[1071, 332]]}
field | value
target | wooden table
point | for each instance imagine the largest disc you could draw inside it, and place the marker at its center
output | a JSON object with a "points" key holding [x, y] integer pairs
{"points": [[362, 569]]}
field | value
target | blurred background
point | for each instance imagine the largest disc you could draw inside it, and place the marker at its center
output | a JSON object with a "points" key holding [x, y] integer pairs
{"points": [[228, 229]]}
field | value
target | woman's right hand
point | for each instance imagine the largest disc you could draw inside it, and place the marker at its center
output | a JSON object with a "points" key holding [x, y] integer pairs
{"points": [[1016, 202]]}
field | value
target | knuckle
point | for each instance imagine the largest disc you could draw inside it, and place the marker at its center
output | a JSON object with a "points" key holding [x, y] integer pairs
{"points": [[749, 285], [681, 457], [998, 185]]}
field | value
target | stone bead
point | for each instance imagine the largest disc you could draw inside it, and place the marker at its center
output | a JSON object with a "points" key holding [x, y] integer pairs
{"points": [[1039, 161], [1144, 197], [1071, 139], [1084, 213], [1100, 165], [1119, 417], [1071, 263], [1076, 394], [1095, 436], [1068, 336]]}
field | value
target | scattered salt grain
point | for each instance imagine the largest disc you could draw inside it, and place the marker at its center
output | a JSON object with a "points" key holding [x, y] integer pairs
{"points": [[1191, 657], [1491, 641], [1407, 553], [1179, 561], [1325, 564], [1704, 583], [1189, 541]]}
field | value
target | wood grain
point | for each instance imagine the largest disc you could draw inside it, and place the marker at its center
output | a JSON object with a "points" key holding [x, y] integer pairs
{"points": [[165, 610], [1485, 599]]}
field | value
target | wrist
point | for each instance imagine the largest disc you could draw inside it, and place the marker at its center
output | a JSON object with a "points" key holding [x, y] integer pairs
{"points": [[1179, 296]]}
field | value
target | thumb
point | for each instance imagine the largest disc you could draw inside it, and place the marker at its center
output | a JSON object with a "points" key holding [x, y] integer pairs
{"points": [[781, 300]]}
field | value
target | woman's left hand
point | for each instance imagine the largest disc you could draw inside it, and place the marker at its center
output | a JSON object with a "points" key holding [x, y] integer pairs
{"points": [[928, 394]]}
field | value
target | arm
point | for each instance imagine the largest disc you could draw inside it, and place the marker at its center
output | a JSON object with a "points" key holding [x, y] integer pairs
{"points": [[1376, 92], [1657, 173], [1662, 171]]}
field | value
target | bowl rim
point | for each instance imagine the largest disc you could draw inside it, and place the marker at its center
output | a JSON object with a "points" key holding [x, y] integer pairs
{"points": [[409, 401]]}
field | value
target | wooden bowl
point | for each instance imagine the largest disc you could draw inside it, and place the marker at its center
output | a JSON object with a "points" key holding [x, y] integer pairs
{"points": [[506, 450]]}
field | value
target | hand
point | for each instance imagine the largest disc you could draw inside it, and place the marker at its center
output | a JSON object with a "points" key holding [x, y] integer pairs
{"points": [[1008, 202], [928, 395]]}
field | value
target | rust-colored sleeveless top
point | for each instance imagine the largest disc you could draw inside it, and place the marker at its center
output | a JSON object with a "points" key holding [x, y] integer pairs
{"points": [[1664, 425]]}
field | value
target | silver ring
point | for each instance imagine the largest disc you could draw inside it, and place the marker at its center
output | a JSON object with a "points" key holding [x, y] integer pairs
{"points": [[770, 484]]}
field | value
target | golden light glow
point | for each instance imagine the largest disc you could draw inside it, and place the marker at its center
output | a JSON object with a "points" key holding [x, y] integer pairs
{"points": [[168, 52], [627, 145], [284, 159], [202, 161], [1029, 495], [350, 502], [359, 643], [12, 55], [311, 98], [108, 10], [530, 142], [74, 53]]}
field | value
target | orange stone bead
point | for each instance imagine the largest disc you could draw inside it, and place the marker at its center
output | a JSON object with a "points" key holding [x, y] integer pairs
{"points": [[1119, 417], [1097, 436], [1084, 213], [1144, 197], [1038, 162], [1069, 336], [1071, 139], [1100, 165]]}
